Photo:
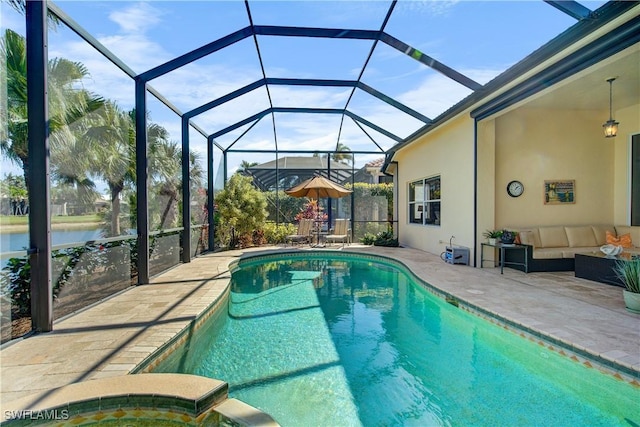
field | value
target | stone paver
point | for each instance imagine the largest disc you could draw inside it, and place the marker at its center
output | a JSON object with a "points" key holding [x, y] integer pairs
{"points": [[111, 338]]}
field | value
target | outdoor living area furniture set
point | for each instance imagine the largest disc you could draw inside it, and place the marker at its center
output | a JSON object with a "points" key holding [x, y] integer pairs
{"points": [[554, 248]]}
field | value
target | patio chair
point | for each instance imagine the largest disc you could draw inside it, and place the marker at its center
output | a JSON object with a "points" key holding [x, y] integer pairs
{"points": [[303, 235], [341, 232]]}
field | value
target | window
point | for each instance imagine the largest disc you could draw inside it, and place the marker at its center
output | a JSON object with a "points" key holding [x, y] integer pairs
{"points": [[424, 201]]}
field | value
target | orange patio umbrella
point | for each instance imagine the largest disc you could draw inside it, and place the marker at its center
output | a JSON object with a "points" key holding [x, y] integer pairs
{"points": [[318, 188]]}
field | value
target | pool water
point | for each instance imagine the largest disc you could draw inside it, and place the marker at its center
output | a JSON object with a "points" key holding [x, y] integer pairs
{"points": [[321, 341]]}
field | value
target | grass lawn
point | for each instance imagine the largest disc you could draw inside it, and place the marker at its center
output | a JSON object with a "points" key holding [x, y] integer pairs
{"points": [[24, 220]]}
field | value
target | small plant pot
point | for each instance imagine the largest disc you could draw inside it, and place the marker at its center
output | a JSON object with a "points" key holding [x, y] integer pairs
{"points": [[492, 241], [631, 301], [507, 238]]}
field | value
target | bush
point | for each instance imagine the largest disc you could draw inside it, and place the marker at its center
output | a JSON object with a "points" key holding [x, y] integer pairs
{"points": [[16, 282], [368, 239], [242, 210], [384, 238], [275, 234], [15, 278]]}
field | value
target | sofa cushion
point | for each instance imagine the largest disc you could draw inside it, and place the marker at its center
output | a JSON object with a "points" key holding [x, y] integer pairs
{"points": [[571, 252], [526, 238], [633, 230], [553, 237], [530, 237], [623, 240], [580, 236], [551, 253], [600, 232]]}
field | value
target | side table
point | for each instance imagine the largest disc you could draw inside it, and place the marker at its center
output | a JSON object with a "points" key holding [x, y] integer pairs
{"points": [[502, 247]]}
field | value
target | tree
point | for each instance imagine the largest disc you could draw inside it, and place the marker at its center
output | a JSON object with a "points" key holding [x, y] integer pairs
{"points": [[68, 103], [110, 136], [241, 209], [110, 140], [283, 208], [340, 155], [166, 173], [13, 186], [244, 167], [14, 189]]}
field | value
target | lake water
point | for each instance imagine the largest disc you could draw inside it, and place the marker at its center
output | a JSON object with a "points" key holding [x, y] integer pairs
{"points": [[18, 241]]}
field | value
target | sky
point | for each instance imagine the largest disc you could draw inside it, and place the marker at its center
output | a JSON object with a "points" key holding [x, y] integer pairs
{"points": [[479, 39]]}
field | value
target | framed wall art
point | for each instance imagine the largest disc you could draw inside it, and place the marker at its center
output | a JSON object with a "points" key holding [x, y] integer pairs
{"points": [[559, 192]]}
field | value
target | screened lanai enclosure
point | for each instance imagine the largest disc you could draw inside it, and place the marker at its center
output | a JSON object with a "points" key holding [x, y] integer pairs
{"points": [[139, 113]]}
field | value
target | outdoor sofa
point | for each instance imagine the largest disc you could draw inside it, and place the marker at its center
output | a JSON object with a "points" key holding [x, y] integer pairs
{"points": [[553, 248]]}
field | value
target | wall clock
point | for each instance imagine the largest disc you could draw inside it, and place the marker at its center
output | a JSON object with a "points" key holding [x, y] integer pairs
{"points": [[515, 188]]}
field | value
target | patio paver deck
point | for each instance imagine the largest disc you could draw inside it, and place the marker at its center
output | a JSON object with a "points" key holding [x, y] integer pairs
{"points": [[111, 338]]}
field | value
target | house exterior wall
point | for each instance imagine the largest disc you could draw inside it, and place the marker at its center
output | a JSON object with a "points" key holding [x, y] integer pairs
{"points": [[525, 144], [447, 152], [534, 145]]}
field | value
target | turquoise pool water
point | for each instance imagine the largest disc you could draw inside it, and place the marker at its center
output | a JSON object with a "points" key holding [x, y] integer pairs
{"points": [[322, 341]]}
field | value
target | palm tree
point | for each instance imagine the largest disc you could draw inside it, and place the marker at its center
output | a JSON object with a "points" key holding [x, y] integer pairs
{"points": [[67, 104], [244, 167], [111, 141], [166, 173], [340, 156]]}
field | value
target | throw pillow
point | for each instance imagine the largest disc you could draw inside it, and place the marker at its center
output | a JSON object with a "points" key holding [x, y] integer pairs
{"points": [[624, 240]]}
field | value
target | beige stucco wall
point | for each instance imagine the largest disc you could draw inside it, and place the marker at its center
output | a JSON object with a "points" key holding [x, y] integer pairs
{"points": [[447, 152], [534, 145]]}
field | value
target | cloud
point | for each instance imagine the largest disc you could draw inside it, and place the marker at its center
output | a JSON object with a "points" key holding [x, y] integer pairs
{"points": [[137, 18], [428, 7], [136, 50]]}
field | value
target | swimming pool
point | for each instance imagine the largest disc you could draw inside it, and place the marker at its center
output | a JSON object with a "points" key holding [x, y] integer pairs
{"points": [[327, 340]]}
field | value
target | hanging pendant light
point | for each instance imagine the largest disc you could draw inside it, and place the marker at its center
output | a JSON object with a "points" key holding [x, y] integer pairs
{"points": [[610, 126]]}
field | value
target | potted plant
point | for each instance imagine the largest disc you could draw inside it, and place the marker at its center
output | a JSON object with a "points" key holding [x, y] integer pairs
{"points": [[629, 274], [508, 237], [492, 236]]}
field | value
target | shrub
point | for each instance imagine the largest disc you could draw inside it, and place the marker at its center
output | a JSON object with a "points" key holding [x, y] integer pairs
{"points": [[242, 209], [311, 210], [275, 234], [368, 239], [386, 238], [77, 263], [16, 282], [257, 238]]}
